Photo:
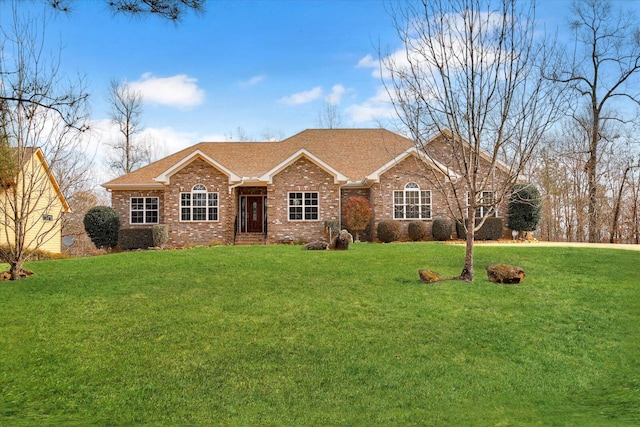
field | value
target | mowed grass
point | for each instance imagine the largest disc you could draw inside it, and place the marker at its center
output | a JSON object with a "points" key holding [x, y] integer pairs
{"points": [[280, 336]]}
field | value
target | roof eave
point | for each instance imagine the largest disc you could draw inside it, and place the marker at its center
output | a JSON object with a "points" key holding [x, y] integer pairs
{"points": [[165, 176], [146, 186], [338, 178]]}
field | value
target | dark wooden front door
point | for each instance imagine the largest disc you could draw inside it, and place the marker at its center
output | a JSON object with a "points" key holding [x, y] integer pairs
{"points": [[254, 214]]}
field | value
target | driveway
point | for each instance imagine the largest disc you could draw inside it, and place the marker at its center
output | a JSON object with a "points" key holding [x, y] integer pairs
{"points": [[625, 246]]}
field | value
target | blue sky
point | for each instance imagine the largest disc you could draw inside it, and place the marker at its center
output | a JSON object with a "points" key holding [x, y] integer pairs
{"points": [[265, 66]]}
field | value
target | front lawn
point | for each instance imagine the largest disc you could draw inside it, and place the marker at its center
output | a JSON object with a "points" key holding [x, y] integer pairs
{"points": [[276, 335]]}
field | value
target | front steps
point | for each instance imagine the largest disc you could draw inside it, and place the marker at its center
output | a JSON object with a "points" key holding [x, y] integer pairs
{"points": [[250, 239]]}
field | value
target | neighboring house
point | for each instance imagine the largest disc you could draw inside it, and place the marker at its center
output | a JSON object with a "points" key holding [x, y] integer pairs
{"points": [[35, 197], [254, 192]]}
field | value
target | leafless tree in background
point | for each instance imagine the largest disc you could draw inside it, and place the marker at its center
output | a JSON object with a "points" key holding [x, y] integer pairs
{"points": [[602, 69], [129, 153], [472, 71], [329, 116], [40, 108]]}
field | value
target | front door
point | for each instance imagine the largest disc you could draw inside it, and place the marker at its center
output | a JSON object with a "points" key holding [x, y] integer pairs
{"points": [[254, 214]]}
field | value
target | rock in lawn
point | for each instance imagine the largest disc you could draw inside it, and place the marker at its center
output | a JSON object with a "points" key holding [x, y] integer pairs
{"points": [[316, 246], [341, 241], [428, 276], [504, 273]]}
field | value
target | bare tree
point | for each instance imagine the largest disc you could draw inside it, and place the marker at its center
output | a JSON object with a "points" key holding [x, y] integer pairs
{"points": [[329, 116], [128, 153], [42, 112], [605, 61], [172, 10], [471, 72]]}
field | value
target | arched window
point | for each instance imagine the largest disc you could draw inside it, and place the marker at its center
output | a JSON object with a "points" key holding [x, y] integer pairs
{"points": [[199, 205], [412, 203]]}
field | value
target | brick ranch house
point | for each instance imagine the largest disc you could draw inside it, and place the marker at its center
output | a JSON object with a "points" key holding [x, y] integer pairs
{"points": [[269, 192]]}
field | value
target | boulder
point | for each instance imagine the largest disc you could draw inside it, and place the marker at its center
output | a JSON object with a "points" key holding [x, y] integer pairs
{"points": [[504, 273], [316, 246], [428, 276], [341, 241]]}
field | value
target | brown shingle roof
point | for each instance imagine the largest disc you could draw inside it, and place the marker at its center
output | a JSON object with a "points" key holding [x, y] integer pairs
{"points": [[355, 153]]}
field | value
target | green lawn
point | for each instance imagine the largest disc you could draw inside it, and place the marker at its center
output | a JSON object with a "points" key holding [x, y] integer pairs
{"points": [[276, 335]]}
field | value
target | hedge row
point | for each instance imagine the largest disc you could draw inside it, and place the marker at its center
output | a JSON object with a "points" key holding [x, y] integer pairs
{"points": [[490, 230]]}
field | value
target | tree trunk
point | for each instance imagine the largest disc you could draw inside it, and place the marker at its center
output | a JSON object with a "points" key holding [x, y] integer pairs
{"points": [[592, 180], [616, 211], [467, 271], [15, 267]]}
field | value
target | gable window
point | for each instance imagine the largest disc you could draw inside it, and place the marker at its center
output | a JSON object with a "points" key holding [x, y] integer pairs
{"points": [[485, 203], [303, 206], [144, 210], [412, 203], [199, 205]]}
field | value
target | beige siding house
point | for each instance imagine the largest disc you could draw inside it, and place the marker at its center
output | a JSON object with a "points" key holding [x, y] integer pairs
{"points": [[34, 196], [268, 192]]}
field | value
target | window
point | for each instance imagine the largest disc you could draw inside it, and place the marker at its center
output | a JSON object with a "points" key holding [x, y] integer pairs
{"points": [[199, 205], [144, 210], [303, 206], [412, 203], [47, 218], [485, 203]]}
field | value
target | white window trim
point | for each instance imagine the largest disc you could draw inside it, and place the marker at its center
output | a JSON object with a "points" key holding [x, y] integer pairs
{"points": [[483, 209], [144, 210], [200, 190], [304, 219], [412, 187]]}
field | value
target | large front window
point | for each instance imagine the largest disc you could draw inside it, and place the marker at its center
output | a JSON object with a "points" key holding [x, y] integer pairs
{"points": [[199, 205], [303, 206], [144, 210], [412, 203]]}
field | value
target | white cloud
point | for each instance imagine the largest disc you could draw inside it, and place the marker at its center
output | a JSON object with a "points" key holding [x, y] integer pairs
{"points": [[177, 91], [337, 91], [302, 97], [368, 62], [253, 80], [376, 108]]}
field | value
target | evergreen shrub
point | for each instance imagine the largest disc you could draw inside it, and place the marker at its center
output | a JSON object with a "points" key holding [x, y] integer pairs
{"points": [[525, 207], [490, 230], [102, 224], [160, 234], [389, 231], [417, 230], [441, 229], [135, 238]]}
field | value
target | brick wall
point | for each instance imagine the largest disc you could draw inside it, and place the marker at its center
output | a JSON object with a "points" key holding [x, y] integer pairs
{"points": [[181, 233], [121, 202], [409, 170], [301, 176]]}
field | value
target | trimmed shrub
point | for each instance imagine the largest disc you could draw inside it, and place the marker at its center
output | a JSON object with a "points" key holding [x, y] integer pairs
{"points": [[357, 214], [135, 238], [160, 234], [525, 207], [417, 230], [441, 229], [490, 230], [101, 224], [389, 231]]}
